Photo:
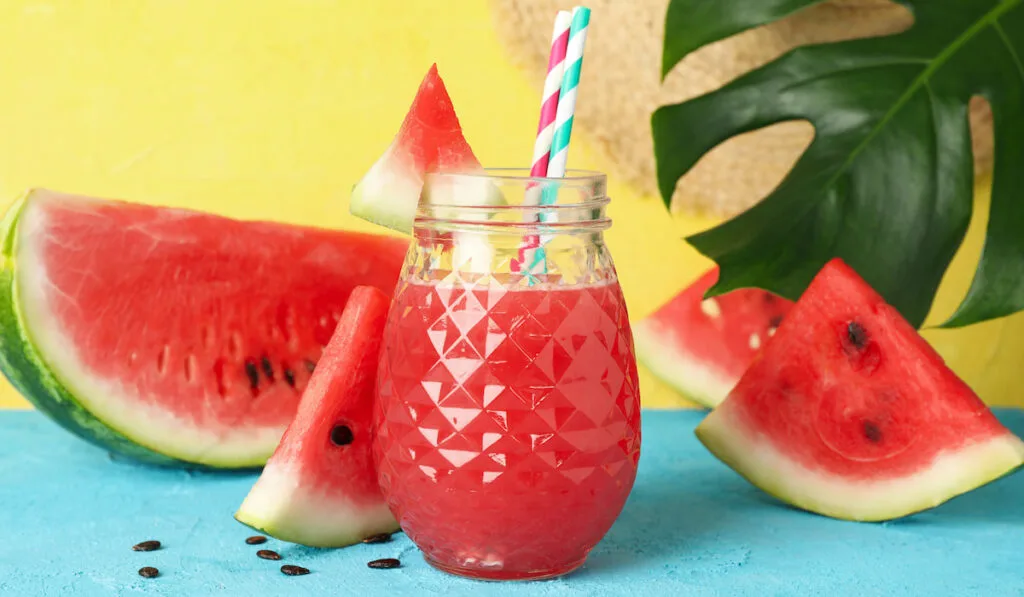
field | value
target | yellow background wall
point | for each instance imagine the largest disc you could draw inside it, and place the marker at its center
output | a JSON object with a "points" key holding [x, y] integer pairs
{"points": [[273, 109]]}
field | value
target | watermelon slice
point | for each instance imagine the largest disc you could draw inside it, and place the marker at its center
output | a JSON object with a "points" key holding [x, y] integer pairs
{"points": [[430, 140], [701, 346], [168, 335], [320, 486], [849, 413]]}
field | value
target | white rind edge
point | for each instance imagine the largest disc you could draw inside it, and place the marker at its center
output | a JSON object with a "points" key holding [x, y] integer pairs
{"points": [[286, 506], [656, 349], [121, 408], [952, 473], [389, 192]]}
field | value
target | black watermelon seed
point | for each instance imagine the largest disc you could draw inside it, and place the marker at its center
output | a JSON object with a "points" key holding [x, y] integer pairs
{"points": [[768, 298], [310, 365], [151, 545], [253, 374], [775, 321], [341, 435], [268, 368], [267, 554], [289, 377], [857, 334], [872, 432], [148, 572], [294, 570], [256, 540], [379, 538], [384, 564]]}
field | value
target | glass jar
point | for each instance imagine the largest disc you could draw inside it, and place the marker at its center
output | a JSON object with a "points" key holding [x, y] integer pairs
{"points": [[508, 415]]}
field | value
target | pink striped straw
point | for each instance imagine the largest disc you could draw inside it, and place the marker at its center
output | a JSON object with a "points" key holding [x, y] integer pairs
{"points": [[548, 110]]}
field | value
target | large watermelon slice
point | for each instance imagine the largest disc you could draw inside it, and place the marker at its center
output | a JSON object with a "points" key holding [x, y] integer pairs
{"points": [[701, 346], [429, 140], [848, 412], [320, 487], [169, 335]]}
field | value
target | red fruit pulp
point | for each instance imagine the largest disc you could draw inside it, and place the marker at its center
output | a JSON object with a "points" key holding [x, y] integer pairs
{"points": [[508, 423]]}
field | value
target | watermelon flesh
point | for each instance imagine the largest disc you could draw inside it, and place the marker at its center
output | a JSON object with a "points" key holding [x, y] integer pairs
{"points": [[169, 335], [701, 346], [429, 140], [320, 486], [849, 413]]}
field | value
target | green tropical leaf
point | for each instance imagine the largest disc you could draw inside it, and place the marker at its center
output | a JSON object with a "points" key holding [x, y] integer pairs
{"points": [[887, 182]]}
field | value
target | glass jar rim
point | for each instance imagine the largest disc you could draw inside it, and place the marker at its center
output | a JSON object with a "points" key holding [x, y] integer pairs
{"points": [[573, 176]]}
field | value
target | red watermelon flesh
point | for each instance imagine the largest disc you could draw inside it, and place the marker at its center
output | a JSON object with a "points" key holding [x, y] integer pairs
{"points": [[320, 486], [188, 334], [848, 412], [702, 346], [429, 140]]}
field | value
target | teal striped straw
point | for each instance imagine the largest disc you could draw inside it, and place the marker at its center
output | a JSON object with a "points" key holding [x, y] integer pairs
{"points": [[564, 116]]}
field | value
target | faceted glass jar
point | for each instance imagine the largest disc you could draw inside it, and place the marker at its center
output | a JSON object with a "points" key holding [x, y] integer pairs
{"points": [[508, 415]]}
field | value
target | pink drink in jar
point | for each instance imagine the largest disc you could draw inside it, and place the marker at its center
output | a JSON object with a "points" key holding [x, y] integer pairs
{"points": [[508, 419]]}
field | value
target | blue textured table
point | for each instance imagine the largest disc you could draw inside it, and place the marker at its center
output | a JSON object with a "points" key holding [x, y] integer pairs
{"points": [[69, 515]]}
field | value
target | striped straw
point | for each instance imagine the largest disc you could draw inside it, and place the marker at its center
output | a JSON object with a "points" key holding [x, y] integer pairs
{"points": [[567, 95], [564, 115], [548, 110]]}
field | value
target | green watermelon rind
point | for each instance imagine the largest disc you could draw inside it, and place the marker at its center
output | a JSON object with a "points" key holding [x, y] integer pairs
{"points": [[287, 508], [28, 372], [682, 373], [953, 473]]}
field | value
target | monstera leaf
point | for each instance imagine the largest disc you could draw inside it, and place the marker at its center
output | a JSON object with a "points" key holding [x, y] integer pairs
{"points": [[887, 182]]}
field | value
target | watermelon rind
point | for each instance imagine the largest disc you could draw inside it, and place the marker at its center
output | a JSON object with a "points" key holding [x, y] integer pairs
{"points": [[657, 350], [29, 372], [387, 194], [950, 474], [285, 508]]}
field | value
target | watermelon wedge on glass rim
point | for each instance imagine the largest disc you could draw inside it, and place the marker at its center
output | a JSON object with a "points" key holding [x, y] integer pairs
{"points": [[701, 346], [320, 486], [172, 336], [849, 413], [429, 140]]}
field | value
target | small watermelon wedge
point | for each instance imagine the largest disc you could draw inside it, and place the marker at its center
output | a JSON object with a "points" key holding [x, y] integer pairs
{"points": [[429, 140], [849, 413], [701, 346], [168, 335], [320, 486]]}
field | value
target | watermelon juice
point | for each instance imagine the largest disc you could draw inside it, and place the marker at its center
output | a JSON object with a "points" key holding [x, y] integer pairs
{"points": [[508, 420]]}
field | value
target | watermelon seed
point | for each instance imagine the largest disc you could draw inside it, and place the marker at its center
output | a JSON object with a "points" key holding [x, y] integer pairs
{"points": [[151, 545], [253, 374], [379, 538], [289, 376], [710, 308], [148, 572], [341, 435], [161, 359], [755, 341], [775, 321], [857, 334], [384, 563], [872, 432], [268, 368], [310, 365], [294, 570], [267, 554], [255, 540]]}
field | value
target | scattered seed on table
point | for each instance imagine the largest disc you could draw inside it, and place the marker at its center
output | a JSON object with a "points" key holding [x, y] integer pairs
{"points": [[267, 554], [150, 545], [381, 538], [385, 563], [148, 572], [294, 570], [256, 540]]}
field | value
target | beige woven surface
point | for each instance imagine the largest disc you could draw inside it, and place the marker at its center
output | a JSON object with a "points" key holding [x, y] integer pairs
{"points": [[620, 88]]}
